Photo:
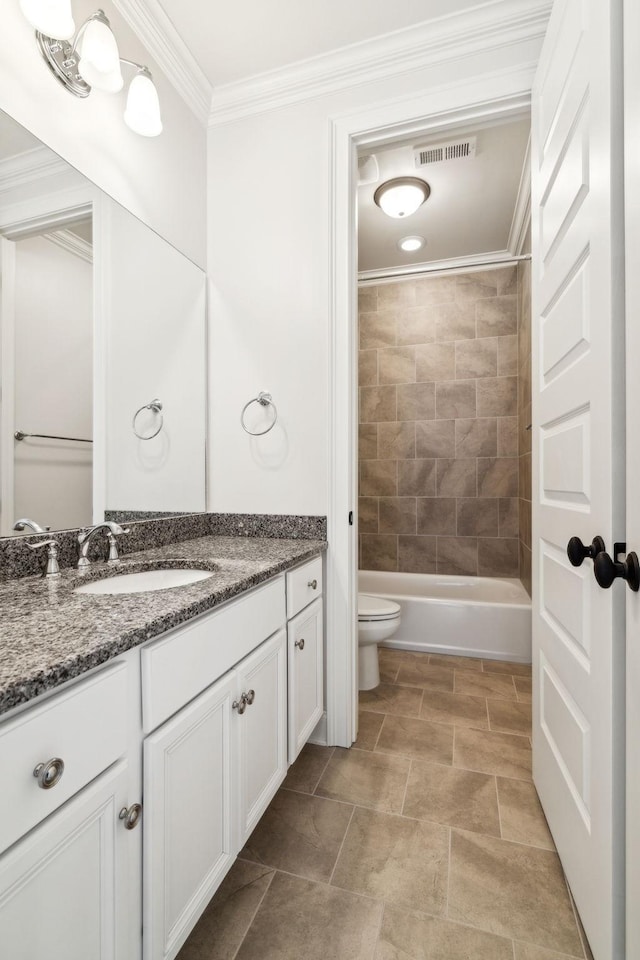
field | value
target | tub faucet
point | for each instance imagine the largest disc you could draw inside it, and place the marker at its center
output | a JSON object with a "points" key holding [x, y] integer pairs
{"points": [[84, 539], [24, 522]]}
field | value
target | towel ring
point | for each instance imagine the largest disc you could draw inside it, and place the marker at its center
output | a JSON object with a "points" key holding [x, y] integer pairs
{"points": [[156, 406], [265, 400]]}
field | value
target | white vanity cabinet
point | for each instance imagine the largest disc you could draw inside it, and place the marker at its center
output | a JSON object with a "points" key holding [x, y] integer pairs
{"points": [[305, 653]]}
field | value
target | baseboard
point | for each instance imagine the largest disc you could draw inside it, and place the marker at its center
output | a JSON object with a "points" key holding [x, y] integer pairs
{"points": [[451, 651]]}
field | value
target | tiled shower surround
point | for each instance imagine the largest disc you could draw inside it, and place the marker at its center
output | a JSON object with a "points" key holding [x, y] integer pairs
{"points": [[439, 438], [524, 419]]}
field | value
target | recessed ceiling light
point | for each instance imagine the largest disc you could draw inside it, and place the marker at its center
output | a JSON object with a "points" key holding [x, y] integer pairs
{"points": [[401, 196], [411, 244]]}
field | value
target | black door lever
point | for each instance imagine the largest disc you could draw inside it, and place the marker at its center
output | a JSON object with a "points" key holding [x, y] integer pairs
{"points": [[606, 569], [577, 552]]}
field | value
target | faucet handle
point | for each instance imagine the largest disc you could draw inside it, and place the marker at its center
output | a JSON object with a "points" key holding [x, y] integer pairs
{"points": [[52, 568], [113, 545]]}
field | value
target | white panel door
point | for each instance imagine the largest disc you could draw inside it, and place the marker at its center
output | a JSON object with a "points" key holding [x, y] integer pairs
{"points": [[579, 454], [306, 684], [63, 888], [188, 835]]}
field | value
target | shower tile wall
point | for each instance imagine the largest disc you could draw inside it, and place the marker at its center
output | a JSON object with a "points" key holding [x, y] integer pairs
{"points": [[524, 419], [439, 431]]}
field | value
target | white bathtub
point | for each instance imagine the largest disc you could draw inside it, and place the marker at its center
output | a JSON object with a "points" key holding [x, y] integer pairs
{"points": [[470, 616]]}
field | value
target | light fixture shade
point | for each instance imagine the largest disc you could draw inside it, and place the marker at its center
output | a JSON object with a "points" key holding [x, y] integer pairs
{"points": [[142, 114], [53, 18], [411, 244], [99, 62], [402, 196]]}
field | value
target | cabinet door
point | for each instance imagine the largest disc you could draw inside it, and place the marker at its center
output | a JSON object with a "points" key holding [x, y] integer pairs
{"points": [[305, 640], [63, 888], [262, 730], [188, 837]]}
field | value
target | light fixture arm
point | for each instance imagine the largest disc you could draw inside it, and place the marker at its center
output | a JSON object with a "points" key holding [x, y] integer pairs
{"points": [[98, 15]]}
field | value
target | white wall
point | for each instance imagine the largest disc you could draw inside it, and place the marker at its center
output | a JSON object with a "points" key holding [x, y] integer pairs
{"points": [[154, 332], [268, 254], [53, 384], [161, 180]]}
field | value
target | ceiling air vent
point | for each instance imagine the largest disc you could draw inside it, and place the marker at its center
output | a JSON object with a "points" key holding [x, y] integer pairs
{"points": [[437, 152]]}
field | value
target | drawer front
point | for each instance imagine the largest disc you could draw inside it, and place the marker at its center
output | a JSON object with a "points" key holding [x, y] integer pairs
{"points": [[85, 727], [304, 584], [178, 667]]}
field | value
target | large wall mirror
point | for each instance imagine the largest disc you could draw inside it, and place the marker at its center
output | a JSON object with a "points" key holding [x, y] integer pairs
{"points": [[102, 353]]}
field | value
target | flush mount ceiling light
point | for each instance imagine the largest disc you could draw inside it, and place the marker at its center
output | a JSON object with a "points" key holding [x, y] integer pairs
{"points": [[90, 60], [401, 196], [411, 244]]}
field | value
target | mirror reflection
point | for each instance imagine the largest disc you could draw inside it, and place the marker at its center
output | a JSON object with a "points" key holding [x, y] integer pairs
{"points": [[101, 321]]}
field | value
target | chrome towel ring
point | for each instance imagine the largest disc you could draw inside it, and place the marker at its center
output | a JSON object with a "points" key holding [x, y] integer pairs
{"points": [[265, 400], [156, 406]]}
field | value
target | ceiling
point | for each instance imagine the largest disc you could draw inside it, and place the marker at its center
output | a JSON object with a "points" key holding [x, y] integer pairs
{"points": [[472, 201], [233, 41]]}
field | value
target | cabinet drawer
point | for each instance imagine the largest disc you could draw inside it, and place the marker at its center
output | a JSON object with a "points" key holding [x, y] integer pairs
{"points": [[179, 666], [85, 727], [300, 586]]}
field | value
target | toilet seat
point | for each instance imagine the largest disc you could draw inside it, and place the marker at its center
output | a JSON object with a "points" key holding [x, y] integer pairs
{"points": [[376, 608]]}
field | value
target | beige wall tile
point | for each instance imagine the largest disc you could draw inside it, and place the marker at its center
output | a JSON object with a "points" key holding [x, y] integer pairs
{"points": [[378, 478], [508, 517], [435, 438], [377, 329], [417, 478], [455, 321], [430, 290], [477, 285], [456, 398], [415, 325], [416, 401], [436, 361], [497, 317], [498, 398], [476, 358], [507, 356], [437, 516], [507, 278], [477, 437], [377, 403], [498, 558], [497, 477], [456, 478], [417, 554], [368, 514], [525, 476], [458, 555], [525, 567], [396, 441], [367, 299], [368, 441], [396, 293], [379, 551], [507, 436], [524, 510], [397, 515], [368, 368], [397, 365], [477, 517]]}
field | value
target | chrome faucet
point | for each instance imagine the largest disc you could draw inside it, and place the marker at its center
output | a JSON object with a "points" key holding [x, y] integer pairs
{"points": [[84, 539], [24, 522], [52, 568]]}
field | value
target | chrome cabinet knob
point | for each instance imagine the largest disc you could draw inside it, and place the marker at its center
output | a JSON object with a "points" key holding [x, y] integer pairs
{"points": [[49, 773], [240, 705], [250, 697], [313, 584], [299, 644], [131, 815]]}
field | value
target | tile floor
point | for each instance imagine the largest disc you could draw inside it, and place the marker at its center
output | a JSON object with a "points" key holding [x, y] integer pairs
{"points": [[425, 841]]}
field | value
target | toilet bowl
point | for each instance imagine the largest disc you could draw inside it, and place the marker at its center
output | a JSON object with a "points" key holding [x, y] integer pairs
{"points": [[378, 619]]}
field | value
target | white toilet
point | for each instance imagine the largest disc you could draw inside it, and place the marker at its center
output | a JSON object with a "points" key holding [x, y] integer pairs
{"points": [[378, 619]]}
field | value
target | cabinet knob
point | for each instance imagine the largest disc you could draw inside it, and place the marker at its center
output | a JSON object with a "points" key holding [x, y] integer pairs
{"points": [[299, 643], [313, 584], [131, 815], [240, 705], [49, 773], [250, 697]]}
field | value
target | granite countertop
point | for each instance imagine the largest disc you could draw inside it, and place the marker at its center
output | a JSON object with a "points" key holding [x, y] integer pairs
{"points": [[49, 634]]}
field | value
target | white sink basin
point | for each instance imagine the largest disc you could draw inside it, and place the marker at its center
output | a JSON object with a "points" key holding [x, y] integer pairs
{"points": [[144, 581]]}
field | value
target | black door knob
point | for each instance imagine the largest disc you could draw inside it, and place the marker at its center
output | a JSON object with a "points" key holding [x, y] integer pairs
{"points": [[577, 552], [607, 570]]}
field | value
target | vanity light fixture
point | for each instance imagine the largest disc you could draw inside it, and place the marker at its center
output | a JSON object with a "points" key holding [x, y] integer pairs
{"points": [[89, 59], [401, 196], [411, 244]]}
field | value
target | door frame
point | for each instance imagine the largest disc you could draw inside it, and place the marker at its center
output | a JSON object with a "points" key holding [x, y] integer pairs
{"points": [[480, 98]]}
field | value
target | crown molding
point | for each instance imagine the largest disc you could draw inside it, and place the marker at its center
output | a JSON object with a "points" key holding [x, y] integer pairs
{"points": [[522, 210], [483, 28], [470, 264], [72, 243], [29, 166], [158, 34]]}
